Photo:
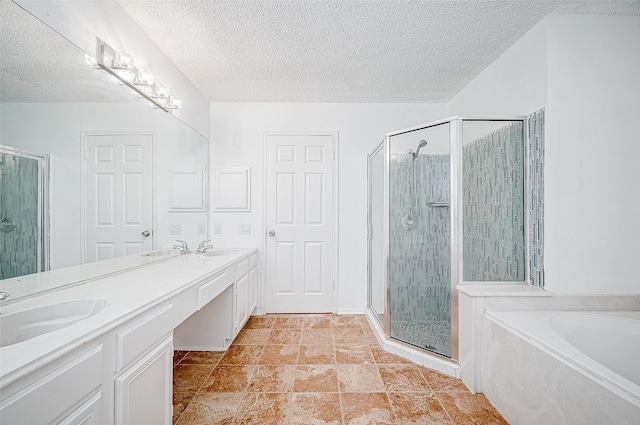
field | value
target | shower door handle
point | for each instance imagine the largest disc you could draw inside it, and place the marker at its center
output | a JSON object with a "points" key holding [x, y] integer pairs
{"points": [[272, 233]]}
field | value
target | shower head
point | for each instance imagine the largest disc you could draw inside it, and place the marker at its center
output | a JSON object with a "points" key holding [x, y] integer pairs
{"points": [[422, 144]]}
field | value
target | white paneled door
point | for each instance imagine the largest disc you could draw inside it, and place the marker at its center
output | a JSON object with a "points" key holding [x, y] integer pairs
{"points": [[301, 246], [118, 195]]}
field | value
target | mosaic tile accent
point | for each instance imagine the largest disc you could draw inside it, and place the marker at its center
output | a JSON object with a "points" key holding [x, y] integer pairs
{"points": [[493, 211], [420, 264], [19, 204], [535, 198]]}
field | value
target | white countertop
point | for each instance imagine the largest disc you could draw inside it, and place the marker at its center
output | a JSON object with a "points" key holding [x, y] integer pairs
{"points": [[502, 290], [128, 293], [36, 283]]}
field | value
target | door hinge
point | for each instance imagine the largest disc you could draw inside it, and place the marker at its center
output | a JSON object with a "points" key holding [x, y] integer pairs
{"points": [[334, 155], [333, 284]]}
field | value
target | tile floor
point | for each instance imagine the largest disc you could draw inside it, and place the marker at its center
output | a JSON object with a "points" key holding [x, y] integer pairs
{"points": [[316, 369]]}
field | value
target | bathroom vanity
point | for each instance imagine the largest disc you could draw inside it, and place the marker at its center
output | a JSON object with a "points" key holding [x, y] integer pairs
{"points": [[101, 352]]}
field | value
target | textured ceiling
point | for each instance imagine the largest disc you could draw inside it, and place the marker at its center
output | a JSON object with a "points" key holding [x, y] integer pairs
{"points": [[342, 51], [39, 65]]}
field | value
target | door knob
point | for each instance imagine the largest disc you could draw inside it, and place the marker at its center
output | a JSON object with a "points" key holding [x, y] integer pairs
{"points": [[272, 233], [146, 233]]}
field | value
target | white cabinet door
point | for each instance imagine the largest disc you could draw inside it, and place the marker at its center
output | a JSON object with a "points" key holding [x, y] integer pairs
{"points": [[253, 289], [87, 414], [242, 301], [144, 391], [56, 393]]}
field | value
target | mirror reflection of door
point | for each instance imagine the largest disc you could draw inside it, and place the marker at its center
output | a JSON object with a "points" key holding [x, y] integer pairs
{"points": [[118, 195]]}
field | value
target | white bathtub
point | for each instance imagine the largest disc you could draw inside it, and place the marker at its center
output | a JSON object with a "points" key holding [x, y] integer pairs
{"points": [[561, 367]]}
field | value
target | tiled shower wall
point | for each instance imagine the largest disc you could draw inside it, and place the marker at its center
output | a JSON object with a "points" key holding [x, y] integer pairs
{"points": [[19, 206], [420, 261], [535, 198], [493, 211]]}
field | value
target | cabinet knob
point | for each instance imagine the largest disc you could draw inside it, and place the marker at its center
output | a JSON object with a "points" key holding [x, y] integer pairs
{"points": [[272, 233], [146, 233]]}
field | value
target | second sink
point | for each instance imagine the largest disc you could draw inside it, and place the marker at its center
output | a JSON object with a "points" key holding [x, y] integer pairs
{"points": [[27, 324], [217, 252]]}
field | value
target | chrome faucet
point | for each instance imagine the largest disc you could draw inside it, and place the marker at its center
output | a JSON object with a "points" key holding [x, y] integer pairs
{"points": [[3, 296], [204, 245], [183, 247]]}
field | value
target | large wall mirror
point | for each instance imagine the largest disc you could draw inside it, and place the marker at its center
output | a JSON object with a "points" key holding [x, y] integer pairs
{"points": [[123, 178]]}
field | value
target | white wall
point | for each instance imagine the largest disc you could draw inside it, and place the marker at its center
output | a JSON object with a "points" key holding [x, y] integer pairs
{"points": [[592, 199], [237, 131], [56, 129], [586, 71]]}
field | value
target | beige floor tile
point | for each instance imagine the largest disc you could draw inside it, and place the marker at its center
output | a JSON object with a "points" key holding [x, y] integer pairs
{"points": [[211, 408], [189, 378], [263, 409], [322, 322], [228, 378], [418, 409], [345, 321], [279, 354], [349, 336], [272, 379], [242, 354], [202, 357], [353, 354], [403, 378], [294, 322], [289, 369], [359, 378], [384, 357], [316, 336], [316, 354], [284, 336], [180, 402], [314, 409], [316, 379], [178, 355], [252, 337], [366, 409], [260, 322], [440, 382], [469, 409]]}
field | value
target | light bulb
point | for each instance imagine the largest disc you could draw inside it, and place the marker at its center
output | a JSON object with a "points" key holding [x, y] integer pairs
{"points": [[161, 91], [175, 102], [125, 59], [145, 76]]}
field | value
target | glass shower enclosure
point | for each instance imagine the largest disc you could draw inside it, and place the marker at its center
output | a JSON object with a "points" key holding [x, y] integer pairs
{"points": [[446, 206], [23, 213]]}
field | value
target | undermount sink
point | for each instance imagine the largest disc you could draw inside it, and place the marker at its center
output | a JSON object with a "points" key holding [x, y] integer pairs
{"points": [[27, 324], [161, 253], [217, 252]]}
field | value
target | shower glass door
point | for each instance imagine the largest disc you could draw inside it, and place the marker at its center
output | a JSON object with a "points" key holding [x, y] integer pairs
{"points": [[419, 266], [377, 290], [22, 213]]}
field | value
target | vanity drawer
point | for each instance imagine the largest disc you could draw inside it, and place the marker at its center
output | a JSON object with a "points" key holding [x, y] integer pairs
{"points": [[242, 268], [56, 392], [214, 287], [136, 339], [253, 261]]}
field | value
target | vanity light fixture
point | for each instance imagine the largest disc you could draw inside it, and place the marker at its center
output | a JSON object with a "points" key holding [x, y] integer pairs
{"points": [[141, 81]]}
